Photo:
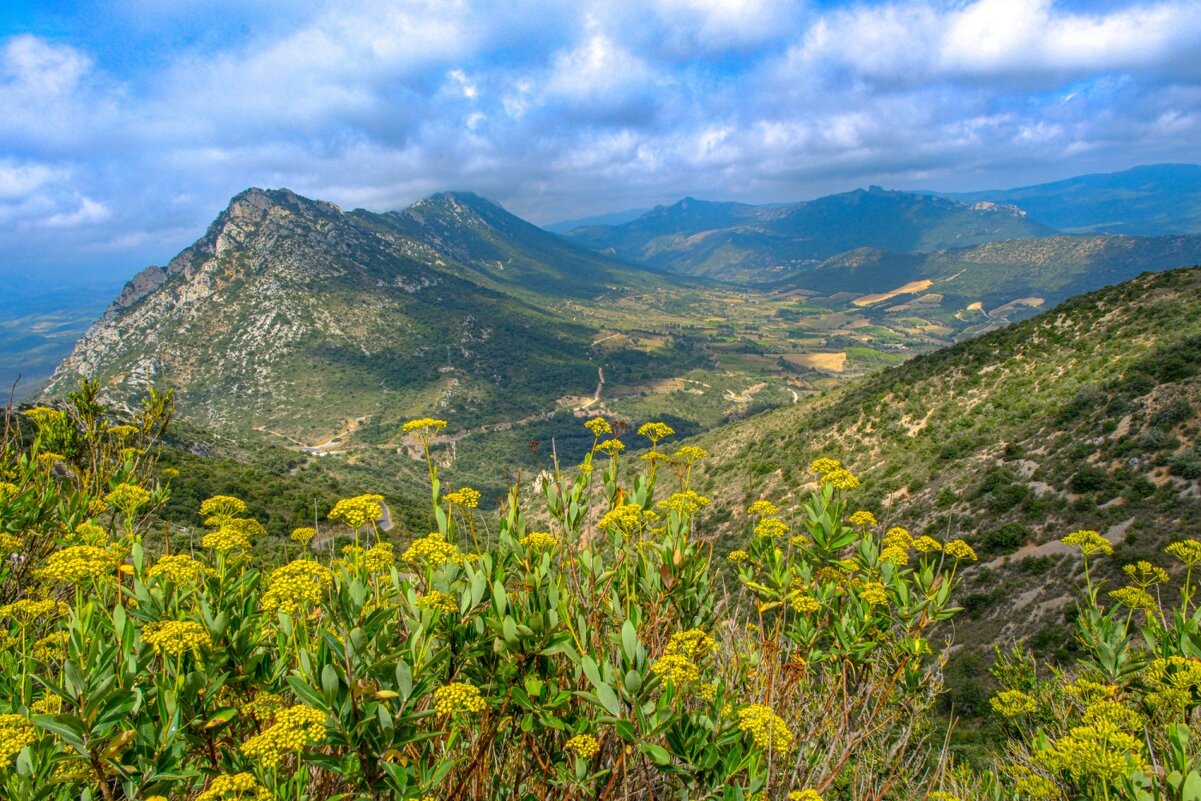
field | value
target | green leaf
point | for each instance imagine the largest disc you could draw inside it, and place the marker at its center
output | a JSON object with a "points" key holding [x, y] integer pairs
{"points": [[656, 753], [629, 639], [608, 699], [329, 683]]}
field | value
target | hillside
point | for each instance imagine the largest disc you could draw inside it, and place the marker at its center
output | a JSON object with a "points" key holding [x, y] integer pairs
{"points": [[1083, 417], [1151, 200], [294, 318], [1051, 268], [740, 242]]}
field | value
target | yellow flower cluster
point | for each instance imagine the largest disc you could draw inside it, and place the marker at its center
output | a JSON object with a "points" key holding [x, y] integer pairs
{"points": [[47, 705], [825, 465], [179, 569], [122, 432], [1144, 574], [804, 795], [767, 729], [177, 637], [438, 601], [627, 518], [692, 644], [15, 733], [770, 528], [10, 544], [863, 519], [895, 554], [49, 458], [684, 503], [1187, 551], [762, 508], [611, 447], [539, 541], [655, 431], [43, 416], [128, 498], [1175, 683], [458, 697], [805, 603], [960, 550], [432, 549], [584, 745], [358, 511], [27, 610], [898, 536], [676, 668], [1012, 703], [52, 647], [296, 586], [1134, 598], [379, 558], [738, 557], [303, 535], [1088, 543], [425, 425], [225, 539], [1098, 751], [87, 533], [263, 706], [235, 787], [1115, 713], [465, 497], [873, 594], [840, 479], [219, 508], [78, 563], [689, 454], [924, 544], [599, 427], [295, 728]]}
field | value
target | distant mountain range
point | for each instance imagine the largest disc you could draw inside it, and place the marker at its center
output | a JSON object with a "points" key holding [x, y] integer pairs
{"points": [[740, 242]]}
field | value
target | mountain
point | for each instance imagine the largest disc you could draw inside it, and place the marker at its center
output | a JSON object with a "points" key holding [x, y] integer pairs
{"points": [[1050, 268], [740, 242], [1084, 417], [293, 317], [1150, 200], [611, 218]]}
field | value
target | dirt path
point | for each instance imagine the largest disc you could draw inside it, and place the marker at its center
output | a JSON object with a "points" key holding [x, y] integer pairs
{"points": [[596, 396]]}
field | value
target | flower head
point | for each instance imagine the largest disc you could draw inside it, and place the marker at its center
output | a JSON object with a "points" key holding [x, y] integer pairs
{"points": [[959, 550], [1012, 703], [15, 733], [128, 498], [179, 569], [762, 508], [655, 431], [689, 454], [177, 637], [767, 729], [296, 586], [424, 426], [863, 519], [219, 508], [584, 745], [465, 497], [610, 447], [599, 427], [459, 697], [235, 787], [432, 550], [78, 563], [294, 729], [303, 535], [358, 511], [539, 541], [1089, 543]]}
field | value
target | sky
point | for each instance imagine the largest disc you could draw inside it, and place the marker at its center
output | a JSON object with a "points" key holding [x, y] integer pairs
{"points": [[126, 126]]}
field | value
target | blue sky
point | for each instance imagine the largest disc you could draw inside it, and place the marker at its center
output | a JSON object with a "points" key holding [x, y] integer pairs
{"points": [[127, 125]]}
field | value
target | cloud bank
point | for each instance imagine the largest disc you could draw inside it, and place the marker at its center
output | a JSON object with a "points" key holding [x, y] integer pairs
{"points": [[126, 130]]}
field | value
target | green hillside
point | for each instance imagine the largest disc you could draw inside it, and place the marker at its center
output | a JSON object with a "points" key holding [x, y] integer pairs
{"points": [[1083, 417]]}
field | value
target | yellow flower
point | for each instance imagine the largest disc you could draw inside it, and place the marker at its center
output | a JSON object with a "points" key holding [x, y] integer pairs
{"points": [[863, 519], [898, 536], [88, 533], [219, 508], [825, 465], [426, 426], [294, 729], [177, 637], [599, 427], [676, 668], [1095, 751], [960, 550], [235, 787], [458, 697], [438, 601], [264, 706], [122, 431], [655, 431], [840, 479], [767, 729], [1134, 598], [179, 569], [895, 554], [689, 454], [224, 539], [303, 535], [771, 527], [128, 498], [1012, 703], [10, 544], [926, 544], [1088, 543], [584, 745], [47, 705], [738, 557], [538, 541], [1144, 574], [805, 604], [379, 558], [296, 586], [684, 503], [627, 518], [78, 563], [693, 644], [611, 447], [762, 508], [358, 511], [804, 795], [1187, 551], [873, 594], [52, 647], [465, 497], [44, 416], [26, 610], [15, 733], [50, 458], [433, 550]]}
